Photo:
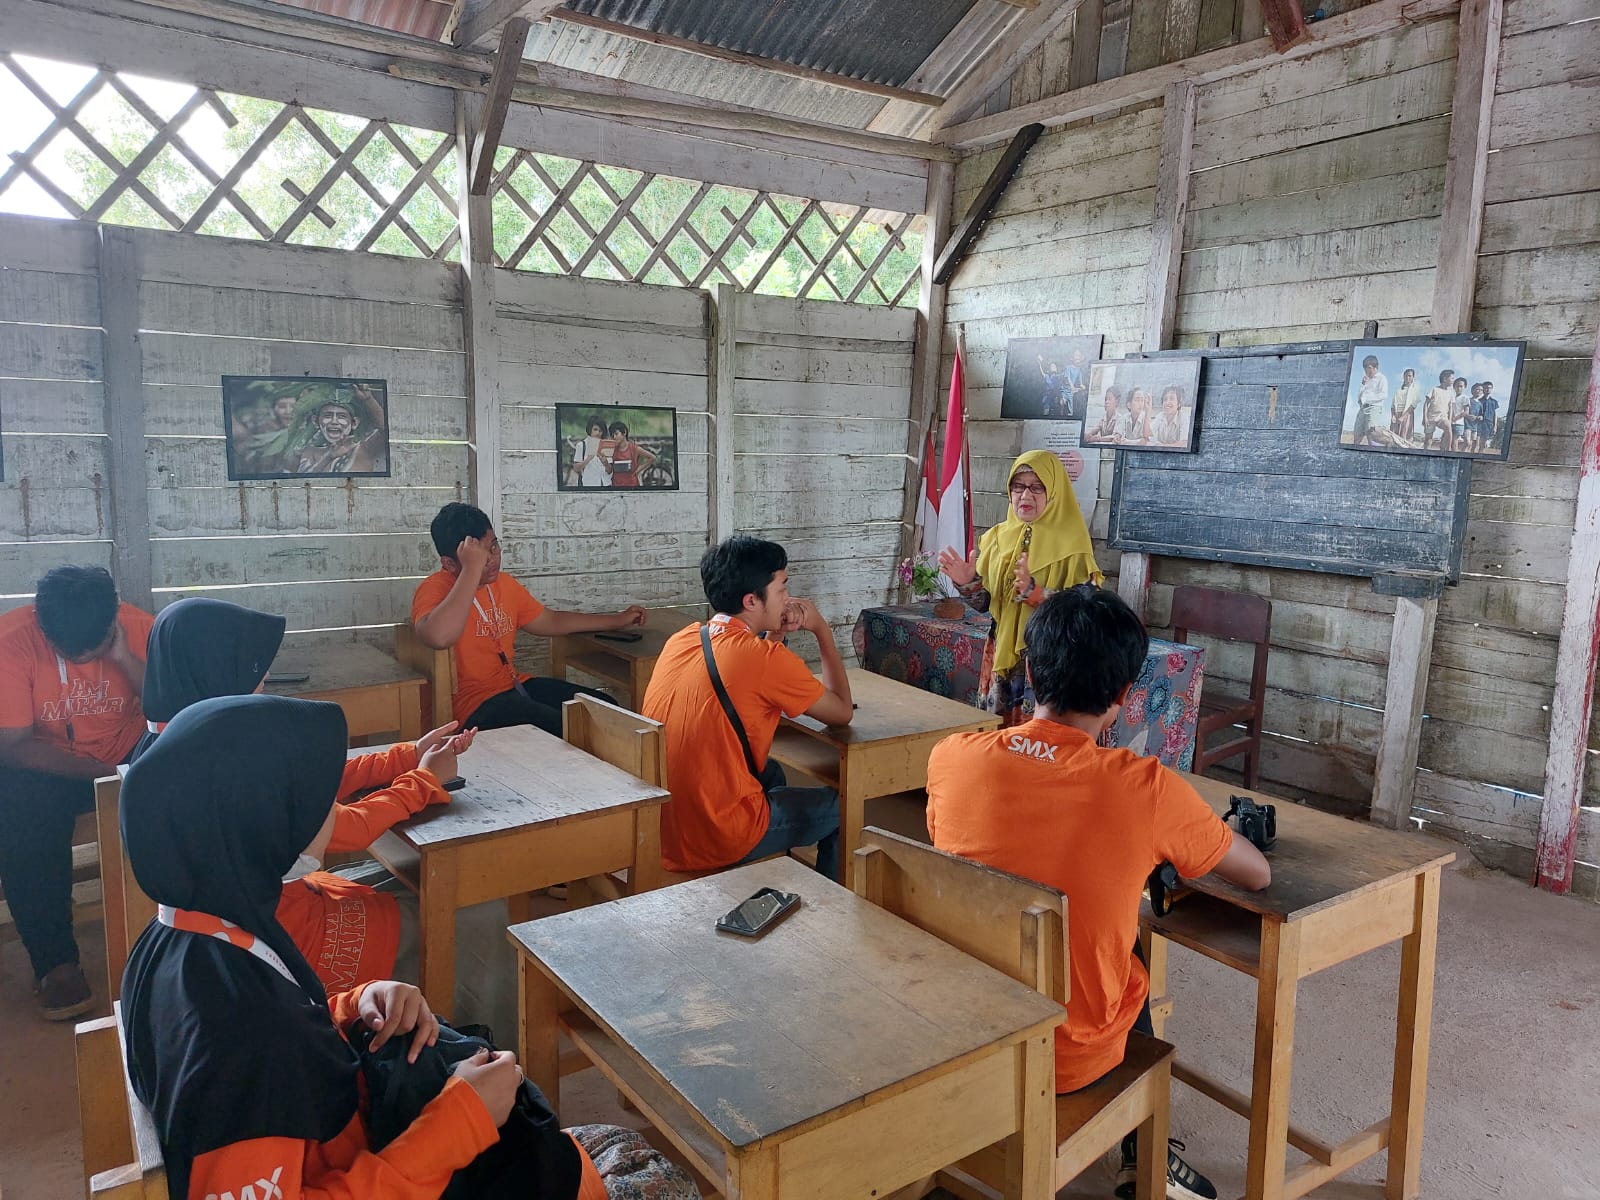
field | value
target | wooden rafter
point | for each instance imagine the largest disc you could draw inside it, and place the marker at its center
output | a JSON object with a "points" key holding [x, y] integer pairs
{"points": [[1286, 23], [475, 20], [1001, 60], [1345, 29], [966, 233], [776, 66], [496, 101]]}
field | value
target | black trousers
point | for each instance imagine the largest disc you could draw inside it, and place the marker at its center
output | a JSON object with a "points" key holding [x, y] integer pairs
{"points": [[534, 701], [37, 812]]}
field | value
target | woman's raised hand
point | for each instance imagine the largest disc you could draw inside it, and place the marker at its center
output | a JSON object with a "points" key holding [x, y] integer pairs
{"points": [[961, 571]]}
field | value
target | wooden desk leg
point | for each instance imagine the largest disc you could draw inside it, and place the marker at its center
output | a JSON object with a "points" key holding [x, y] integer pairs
{"points": [[1030, 1153], [852, 814], [559, 649], [411, 712], [1155, 958], [436, 934], [1413, 1029], [1274, 1055], [638, 680], [645, 875], [753, 1175], [539, 1004]]}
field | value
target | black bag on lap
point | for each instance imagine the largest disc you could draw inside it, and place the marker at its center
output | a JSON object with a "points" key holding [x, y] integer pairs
{"points": [[533, 1158]]}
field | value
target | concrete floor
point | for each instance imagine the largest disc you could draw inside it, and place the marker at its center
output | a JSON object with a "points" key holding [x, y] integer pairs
{"points": [[1513, 1104]]}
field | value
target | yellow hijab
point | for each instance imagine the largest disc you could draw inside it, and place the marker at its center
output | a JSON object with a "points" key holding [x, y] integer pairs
{"points": [[1060, 553]]}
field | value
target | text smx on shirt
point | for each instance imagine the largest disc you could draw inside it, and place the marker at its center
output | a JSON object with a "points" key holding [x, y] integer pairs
{"points": [[1043, 751]]}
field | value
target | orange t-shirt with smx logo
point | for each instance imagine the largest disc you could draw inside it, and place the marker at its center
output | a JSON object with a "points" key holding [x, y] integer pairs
{"points": [[97, 700], [718, 812], [498, 610], [1042, 800]]}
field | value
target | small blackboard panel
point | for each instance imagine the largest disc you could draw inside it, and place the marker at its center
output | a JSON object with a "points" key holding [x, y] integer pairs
{"points": [[1270, 485]]}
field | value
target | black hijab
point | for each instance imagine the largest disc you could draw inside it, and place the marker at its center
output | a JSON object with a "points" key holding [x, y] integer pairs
{"points": [[201, 648], [222, 1048]]}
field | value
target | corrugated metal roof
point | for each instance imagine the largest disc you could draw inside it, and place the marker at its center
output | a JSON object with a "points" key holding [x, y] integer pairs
{"points": [[881, 41]]}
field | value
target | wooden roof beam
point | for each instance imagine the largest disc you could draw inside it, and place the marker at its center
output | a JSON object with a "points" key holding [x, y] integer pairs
{"points": [[776, 66], [1002, 59], [492, 120], [972, 224], [473, 20], [1358, 25], [1286, 23]]}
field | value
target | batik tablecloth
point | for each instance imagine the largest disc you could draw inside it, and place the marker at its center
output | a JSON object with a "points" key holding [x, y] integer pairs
{"points": [[908, 643]]}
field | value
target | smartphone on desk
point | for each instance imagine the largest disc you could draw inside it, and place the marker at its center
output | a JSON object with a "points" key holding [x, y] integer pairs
{"points": [[288, 677], [620, 635], [455, 784], [759, 913]]}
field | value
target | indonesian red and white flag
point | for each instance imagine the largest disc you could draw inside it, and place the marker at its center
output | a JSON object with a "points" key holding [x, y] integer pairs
{"points": [[950, 522]]}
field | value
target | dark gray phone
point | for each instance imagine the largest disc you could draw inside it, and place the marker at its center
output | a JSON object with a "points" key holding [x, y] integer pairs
{"points": [[759, 913]]}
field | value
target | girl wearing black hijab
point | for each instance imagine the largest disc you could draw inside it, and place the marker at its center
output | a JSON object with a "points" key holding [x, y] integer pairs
{"points": [[201, 648], [234, 1046]]}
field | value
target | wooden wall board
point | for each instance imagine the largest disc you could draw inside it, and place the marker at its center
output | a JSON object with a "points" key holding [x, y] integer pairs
{"points": [[297, 506], [249, 312], [320, 604], [51, 352], [173, 358], [1552, 55], [228, 560], [1537, 222], [1561, 166], [1235, 447], [1526, 16], [195, 410], [73, 406], [1404, 197], [202, 462], [22, 563], [1538, 114]]}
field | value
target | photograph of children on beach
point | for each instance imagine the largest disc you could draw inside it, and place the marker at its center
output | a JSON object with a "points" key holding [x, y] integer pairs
{"points": [[1425, 396], [1143, 404], [616, 446], [1047, 378]]}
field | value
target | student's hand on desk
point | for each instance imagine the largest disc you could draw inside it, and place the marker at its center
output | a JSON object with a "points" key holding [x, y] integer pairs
{"points": [[634, 614], [440, 762], [435, 738], [389, 1007], [495, 1076]]}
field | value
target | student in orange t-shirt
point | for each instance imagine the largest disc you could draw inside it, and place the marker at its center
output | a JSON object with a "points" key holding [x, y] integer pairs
{"points": [[71, 665], [1045, 801], [469, 608], [720, 812], [234, 1045], [349, 932]]}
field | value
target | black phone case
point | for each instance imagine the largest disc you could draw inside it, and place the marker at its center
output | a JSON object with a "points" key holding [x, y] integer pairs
{"points": [[620, 635], [791, 903]]}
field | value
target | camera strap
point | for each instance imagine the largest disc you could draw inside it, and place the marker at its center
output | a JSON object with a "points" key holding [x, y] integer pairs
{"points": [[727, 704]]}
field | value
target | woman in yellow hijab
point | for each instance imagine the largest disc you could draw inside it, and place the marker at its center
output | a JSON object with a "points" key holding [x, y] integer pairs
{"points": [[1041, 547]]}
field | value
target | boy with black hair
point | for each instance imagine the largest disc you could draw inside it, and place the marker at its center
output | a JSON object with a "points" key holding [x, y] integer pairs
{"points": [[71, 668], [729, 803], [469, 608], [1045, 801]]}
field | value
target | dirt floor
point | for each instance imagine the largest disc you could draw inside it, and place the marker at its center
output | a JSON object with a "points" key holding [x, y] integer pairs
{"points": [[1513, 1106]]}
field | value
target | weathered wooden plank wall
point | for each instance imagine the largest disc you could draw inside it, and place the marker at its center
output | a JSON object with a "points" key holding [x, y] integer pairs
{"points": [[55, 499], [822, 398], [1314, 206]]}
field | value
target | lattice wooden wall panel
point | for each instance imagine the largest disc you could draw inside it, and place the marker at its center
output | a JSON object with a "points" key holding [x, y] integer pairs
{"points": [[562, 216], [125, 150]]}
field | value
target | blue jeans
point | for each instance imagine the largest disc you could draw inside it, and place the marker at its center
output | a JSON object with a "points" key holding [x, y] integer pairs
{"points": [[802, 817]]}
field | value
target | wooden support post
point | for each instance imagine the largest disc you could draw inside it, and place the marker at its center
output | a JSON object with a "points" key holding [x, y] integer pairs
{"points": [[124, 414], [1286, 23], [1133, 581], [927, 354], [1573, 703], [724, 371], [1477, 64], [1410, 654], [1084, 66], [955, 249], [1172, 208], [1000, 61], [482, 326], [496, 102]]}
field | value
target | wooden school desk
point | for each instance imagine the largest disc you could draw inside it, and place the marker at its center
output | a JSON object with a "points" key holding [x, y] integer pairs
{"points": [[378, 693], [626, 666], [1339, 888], [535, 812], [844, 1054], [882, 751]]}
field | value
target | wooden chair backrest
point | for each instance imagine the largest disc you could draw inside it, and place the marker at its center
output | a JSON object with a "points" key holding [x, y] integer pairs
{"points": [[612, 734], [1013, 924], [121, 1152], [128, 910], [437, 666], [1237, 616]]}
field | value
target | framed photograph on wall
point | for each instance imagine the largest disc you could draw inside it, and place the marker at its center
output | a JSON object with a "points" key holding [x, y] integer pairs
{"points": [[616, 446], [1450, 396], [1143, 404], [1047, 378], [305, 427]]}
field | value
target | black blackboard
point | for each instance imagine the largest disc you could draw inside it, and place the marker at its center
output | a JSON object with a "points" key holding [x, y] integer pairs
{"points": [[1270, 485]]}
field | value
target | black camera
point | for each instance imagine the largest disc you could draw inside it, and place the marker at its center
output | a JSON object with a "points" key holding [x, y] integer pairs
{"points": [[1257, 822]]}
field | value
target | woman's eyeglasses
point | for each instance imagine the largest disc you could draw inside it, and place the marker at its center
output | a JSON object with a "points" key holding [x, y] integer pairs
{"points": [[1036, 490]]}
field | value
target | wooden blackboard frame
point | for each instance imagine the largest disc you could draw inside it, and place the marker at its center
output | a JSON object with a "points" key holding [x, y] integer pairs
{"points": [[1398, 515]]}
